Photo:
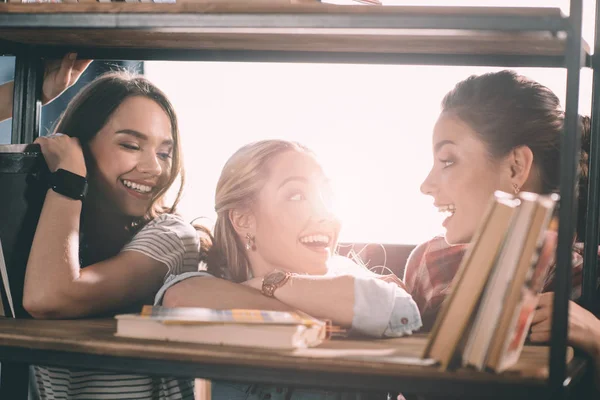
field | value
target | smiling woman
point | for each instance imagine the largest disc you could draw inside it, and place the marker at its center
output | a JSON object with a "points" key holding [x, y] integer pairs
{"points": [[275, 234], [108, 251], [496, 131]]}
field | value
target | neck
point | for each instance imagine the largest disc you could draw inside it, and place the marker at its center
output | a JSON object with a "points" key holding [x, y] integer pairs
{"points": [[258, 266], [104, 231]]}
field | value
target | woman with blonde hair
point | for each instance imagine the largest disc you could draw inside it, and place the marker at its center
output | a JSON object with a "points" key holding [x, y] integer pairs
{"points": [[276, 235]]}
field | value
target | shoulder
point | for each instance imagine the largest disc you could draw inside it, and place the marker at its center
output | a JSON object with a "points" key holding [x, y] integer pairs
{"points": [[168, 239], [340, 265], [421, 251], [169, 223]]}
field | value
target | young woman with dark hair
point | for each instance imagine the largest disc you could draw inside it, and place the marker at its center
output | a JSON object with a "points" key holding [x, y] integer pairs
{"points": [[108, 249], [497, 131]]}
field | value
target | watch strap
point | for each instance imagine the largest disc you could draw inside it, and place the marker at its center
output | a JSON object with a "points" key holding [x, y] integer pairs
{"points": [[68, 184]]}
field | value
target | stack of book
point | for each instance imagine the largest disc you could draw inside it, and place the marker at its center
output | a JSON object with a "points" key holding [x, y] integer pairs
{"points": [[484, 322], [250, 328]]}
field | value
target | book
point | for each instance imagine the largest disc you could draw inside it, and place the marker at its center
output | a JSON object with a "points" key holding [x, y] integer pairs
{"points": [[484, 321], [491, 300], [476, 266], [22, 179], [521, 299], [237, 327]]}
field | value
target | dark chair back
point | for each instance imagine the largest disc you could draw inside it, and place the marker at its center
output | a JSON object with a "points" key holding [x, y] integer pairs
{"points": [[22, 192]]}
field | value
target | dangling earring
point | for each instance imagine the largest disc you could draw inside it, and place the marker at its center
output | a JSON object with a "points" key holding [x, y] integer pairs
{"points": [[516, 188], [250, 242]]}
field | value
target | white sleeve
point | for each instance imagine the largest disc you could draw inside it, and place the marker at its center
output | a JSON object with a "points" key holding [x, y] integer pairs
{"points": [[171, 241], [382, 309]]}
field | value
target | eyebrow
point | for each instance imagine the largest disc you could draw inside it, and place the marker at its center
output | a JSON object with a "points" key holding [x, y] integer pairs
{"points": [[293, 178], [141, 136], [441, 144]]}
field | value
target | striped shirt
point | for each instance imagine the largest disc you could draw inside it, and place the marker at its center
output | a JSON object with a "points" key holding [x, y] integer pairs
{"points": [[173, 242]]}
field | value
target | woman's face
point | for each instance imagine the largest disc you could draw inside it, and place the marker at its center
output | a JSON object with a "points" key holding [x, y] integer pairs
{"points": [[463, 177], [132, 155], [295, 229]]}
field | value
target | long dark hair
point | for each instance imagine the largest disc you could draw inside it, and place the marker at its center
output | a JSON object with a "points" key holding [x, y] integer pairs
{"points": [[90, 110], [508, 110]]}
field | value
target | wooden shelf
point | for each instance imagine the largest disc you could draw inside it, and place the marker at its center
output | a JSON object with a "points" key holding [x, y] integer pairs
{"points": [[305, 27], [349, 364]]}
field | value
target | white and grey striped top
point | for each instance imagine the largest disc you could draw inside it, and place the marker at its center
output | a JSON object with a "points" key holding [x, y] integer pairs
{"points": [[175, 243]]}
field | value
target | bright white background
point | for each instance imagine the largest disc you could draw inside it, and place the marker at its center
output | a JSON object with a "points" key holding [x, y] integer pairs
{"points": [[369, 124]]}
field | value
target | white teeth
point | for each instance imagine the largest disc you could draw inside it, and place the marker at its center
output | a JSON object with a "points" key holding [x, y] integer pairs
{"points": [[136, 186], [449, 208], [323, 239]]}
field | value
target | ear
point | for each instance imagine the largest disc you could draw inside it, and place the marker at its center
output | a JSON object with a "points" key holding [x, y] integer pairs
{"points": [[521, 165], [242, 221]]}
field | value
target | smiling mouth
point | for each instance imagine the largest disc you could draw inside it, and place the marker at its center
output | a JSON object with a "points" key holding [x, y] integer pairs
{"points": [[316, 241], [448, 210], [137, 187]]}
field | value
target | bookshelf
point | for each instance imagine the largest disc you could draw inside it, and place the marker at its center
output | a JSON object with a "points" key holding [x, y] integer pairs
{"points": [[304, 31]]}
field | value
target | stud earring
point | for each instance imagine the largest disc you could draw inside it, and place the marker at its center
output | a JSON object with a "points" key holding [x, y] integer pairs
{"points": [[516, 188], [250, 242]]}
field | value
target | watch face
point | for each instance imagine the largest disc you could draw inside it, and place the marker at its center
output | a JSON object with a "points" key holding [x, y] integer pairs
{"points": [[274, 278]]}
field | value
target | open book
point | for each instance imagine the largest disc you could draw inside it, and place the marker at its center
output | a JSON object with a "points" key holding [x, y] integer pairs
{"points": [[483, 323], [237, 327]]}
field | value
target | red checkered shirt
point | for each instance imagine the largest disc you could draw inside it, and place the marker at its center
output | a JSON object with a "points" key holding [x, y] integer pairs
{"points": [[432, 265]]}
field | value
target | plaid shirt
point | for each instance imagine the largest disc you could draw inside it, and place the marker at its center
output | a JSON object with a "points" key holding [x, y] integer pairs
{"points": [[432, 265]]}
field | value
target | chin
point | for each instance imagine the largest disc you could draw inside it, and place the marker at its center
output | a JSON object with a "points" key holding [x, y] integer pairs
{"points": [[454, 238]]}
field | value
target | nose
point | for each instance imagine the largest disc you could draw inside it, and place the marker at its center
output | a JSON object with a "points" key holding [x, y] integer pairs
{"points": [[149, 163], [323, 210], [428, 185]]}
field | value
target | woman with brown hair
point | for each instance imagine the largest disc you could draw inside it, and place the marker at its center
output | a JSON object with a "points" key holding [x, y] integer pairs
{"points": [[106, 238], [497, 131]]}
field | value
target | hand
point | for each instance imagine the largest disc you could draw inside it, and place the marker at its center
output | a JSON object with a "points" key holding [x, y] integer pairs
{"points": [[392, 278], [59, 75], [583, 328], [62, 151]]}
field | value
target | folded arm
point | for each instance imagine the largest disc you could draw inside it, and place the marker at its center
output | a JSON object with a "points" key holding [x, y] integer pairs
{"points": [[57, 287]]}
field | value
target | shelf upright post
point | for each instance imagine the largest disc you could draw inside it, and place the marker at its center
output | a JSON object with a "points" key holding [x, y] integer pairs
{"points": [[569, 161], [14, 376], [27, 104], [590, 256]]}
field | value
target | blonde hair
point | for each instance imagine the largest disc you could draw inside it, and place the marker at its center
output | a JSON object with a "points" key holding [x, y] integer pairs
{"points": [[242, 177]]}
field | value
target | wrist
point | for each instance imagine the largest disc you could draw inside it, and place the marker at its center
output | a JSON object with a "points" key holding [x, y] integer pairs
{"points": [[274, 281], [68, 184], [80, 170]]}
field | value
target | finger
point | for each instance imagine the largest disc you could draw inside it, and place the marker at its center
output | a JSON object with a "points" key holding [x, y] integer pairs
{"points": [[80, 66], [66, 68], [542, 326], [539, 316], [540, 337], [545, 300]]}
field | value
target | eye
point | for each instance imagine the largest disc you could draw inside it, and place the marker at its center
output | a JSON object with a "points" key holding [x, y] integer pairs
{"points": [[130, 146], [164, 156], [447, 163], [297, 197]]}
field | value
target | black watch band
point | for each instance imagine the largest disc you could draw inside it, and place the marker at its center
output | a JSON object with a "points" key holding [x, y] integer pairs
{"points": [[68, 184]]}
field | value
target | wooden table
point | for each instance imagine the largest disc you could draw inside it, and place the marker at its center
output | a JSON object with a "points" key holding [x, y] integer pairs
{"points": [[365, 365]]}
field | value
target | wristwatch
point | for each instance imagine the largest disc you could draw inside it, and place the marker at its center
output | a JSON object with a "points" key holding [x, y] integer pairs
{"points": [[273, 281], [68, 184]]}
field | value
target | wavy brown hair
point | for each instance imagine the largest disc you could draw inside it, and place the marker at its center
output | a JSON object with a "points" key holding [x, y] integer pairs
{"points": [[92, 107]]}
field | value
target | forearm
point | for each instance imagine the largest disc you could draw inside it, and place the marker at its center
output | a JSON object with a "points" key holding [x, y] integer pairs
{"points": [[6, 100], [321, 296], [53, 266], [219, 294]]}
